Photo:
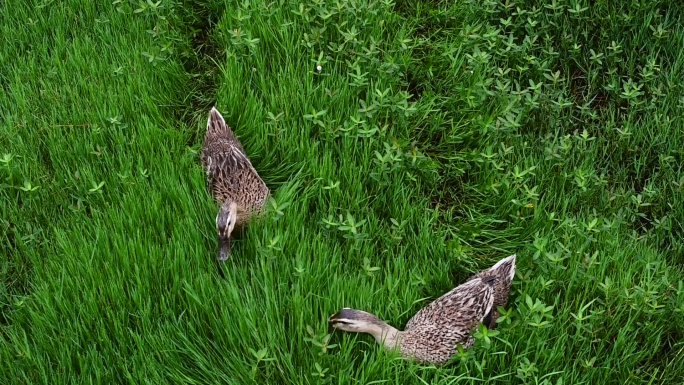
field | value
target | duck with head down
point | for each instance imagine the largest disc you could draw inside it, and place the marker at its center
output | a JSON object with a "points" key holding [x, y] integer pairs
{"points": [[433, 334], [231, 179]]}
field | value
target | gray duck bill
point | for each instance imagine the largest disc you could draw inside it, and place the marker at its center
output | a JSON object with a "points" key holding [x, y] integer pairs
{"points": [[224, 248]]}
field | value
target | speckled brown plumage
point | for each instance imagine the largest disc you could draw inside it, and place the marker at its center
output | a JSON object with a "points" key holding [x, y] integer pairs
{"points": [[230, 174], [433, 334], [502, 288]]}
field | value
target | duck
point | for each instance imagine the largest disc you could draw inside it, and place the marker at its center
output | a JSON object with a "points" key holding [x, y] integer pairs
{"points": [[232, 181], [433, 334]]}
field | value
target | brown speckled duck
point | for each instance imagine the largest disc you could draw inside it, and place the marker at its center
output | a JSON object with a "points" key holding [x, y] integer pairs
{"points": [[231, 179], [432, 335]]}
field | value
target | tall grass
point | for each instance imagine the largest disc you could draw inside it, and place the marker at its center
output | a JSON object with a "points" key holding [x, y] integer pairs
{"points": [[93, 158], [436, 138]]}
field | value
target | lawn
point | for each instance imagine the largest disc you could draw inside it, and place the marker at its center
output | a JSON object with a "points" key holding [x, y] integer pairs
{"points": [[436, 138]]}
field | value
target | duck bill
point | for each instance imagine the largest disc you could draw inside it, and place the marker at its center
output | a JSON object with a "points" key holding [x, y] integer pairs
{"points": [[224, 248], [331, 323]]}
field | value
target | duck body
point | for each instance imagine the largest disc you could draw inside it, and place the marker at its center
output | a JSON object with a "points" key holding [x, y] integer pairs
{"points": [[434, 332], [231, 179]]}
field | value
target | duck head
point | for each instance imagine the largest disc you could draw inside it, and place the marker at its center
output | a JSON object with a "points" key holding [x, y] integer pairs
{"points": [[359, 321], [225, 223]]}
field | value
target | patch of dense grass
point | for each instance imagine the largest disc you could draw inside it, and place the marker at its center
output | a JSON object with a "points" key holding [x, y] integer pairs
{"points": [[93, 156], [437, 138]]}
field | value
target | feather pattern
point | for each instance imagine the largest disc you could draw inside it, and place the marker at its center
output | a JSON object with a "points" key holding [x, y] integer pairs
{"points": [[504, 270], [433, 334], [230, 174]]}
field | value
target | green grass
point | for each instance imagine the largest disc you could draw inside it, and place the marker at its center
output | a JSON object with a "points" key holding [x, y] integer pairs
{"points": [[446, 134]]}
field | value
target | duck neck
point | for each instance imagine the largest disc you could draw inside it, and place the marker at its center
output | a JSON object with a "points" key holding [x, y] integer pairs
{"points": [[386, 335]]}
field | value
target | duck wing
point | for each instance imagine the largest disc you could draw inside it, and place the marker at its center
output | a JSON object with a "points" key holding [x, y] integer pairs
{"points": [[230, 174], [504, 270], [433, 334], [219, 131], [458, 311], [229, 178]]}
